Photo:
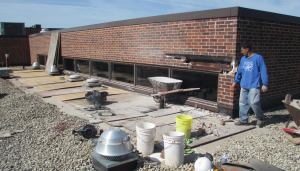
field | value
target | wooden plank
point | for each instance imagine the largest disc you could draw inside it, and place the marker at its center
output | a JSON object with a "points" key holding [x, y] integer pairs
{"points": [[65, 97], [52, 51], [66, 91], [78, 102], [43, 80], [29, 74], [168, 111], [25, 71], [164, 120], [224, 131], [122, 114], [58, 86]]}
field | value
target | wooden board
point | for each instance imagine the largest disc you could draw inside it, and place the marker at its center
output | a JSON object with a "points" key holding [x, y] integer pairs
{"points": [[164, 112], [59, 86], [27, 70], [210, 138], [82, 95], [66, 91], [122, 114], [161, 121], [78, 102], [43, 80], [29, 74], [52, 51]]}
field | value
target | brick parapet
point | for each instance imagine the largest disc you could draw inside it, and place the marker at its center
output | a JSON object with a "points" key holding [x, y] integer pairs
{"points": [[149, 43]]}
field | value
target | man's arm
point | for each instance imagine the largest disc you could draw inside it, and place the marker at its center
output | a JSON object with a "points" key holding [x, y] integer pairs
{"points": [[238, 75], [263, 72]]}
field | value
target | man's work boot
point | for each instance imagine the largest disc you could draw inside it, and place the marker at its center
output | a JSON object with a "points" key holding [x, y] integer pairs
{"points": [[260, 122], [240, 123]]}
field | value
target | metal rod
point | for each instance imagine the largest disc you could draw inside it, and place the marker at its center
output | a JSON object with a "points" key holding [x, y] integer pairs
{"points": [[174, 91]]}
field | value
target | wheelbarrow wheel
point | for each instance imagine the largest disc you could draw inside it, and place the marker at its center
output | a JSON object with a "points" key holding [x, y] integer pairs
{"points": [[294, 138], [157, 99]]}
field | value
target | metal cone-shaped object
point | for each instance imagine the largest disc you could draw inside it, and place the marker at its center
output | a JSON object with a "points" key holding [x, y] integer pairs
{"points": [[53, 70], [35, 65]]}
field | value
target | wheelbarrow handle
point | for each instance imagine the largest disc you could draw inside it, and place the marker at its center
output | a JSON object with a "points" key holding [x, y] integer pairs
{"points": [[174, 91]]}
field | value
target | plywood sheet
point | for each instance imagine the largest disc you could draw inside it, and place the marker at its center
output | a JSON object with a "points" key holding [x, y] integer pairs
{"points": [[82, 95], [58, 86], [52, 51], [42, 80], [30, 74]]}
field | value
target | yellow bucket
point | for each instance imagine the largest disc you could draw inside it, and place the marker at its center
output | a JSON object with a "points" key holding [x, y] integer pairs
{"points": [[184, 124]]}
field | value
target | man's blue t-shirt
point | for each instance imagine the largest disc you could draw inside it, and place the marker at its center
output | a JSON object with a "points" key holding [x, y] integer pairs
{"points": [[250, 71]]}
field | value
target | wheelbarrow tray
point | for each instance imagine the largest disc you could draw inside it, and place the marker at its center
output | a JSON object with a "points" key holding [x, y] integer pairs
{"points": [[163, 84], [294, 112]]}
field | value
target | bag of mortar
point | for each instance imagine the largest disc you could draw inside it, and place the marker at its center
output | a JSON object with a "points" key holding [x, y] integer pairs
{"points": [[96, 98]]}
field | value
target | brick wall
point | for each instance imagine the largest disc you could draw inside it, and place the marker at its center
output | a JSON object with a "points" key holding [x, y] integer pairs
{"points": [[39, 45], [279, 44], [149, 43], [18, 49]]}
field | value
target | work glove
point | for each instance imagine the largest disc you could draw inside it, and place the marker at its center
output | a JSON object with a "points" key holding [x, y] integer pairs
{"points": [[264, 89], [233, 87]]}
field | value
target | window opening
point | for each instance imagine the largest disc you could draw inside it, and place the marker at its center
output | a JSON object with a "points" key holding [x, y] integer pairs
{"points": [[42, 59], [207, 82], [69, 64], [143, 72], [83, 66], [100, 69], [122, 72]]}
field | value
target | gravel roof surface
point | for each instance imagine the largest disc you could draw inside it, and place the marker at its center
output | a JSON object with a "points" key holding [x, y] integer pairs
{"points": [[272, 147], [42, 147]]}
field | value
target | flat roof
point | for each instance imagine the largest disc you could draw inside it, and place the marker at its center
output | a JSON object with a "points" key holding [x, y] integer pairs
{"points": [[196, 15]]}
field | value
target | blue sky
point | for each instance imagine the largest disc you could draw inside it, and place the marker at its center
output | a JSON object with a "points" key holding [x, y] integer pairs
{"points": [[74, 13]]}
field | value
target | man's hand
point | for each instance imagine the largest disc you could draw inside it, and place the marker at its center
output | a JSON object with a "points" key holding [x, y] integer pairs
{"points": [[233, 87], [264, 89]]}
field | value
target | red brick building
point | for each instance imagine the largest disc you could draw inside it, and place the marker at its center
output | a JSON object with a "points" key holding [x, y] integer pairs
{"points": [[196, 47]]}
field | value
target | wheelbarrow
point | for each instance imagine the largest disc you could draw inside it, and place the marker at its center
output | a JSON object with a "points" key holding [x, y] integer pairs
{"points": [[163, 86], [292, 129]]}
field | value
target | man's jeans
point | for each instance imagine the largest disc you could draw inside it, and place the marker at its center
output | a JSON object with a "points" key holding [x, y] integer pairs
{"points": [[250, 98]]}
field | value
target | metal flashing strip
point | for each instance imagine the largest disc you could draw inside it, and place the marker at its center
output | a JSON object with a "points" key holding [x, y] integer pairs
{"points": [[196, 15]]}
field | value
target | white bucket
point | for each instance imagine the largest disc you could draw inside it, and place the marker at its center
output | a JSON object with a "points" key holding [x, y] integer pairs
{"points": [[145, 133], [174, 148]]}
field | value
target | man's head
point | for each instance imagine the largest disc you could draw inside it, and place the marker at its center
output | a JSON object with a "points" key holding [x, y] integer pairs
{"points": [[246, 49]]}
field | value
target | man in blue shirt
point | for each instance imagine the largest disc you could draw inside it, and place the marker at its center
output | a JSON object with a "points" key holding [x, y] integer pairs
{"points": [[252, 68]]}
